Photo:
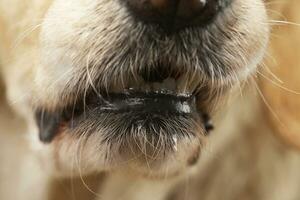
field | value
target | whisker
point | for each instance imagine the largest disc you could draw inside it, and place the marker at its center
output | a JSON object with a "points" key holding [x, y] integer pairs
{"points": [[280, 22], [278, 85], [268, 105], [83, 138]]}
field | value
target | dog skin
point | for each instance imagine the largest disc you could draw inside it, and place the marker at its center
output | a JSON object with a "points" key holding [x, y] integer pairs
{"points": [[54, 54]]}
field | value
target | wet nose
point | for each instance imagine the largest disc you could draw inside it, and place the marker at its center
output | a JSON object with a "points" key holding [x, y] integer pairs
{"points": [[175, 14]]}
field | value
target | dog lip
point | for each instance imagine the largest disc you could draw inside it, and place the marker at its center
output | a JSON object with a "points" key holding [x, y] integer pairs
{"points": [[160, 104], [137, 103], [145, 102]]}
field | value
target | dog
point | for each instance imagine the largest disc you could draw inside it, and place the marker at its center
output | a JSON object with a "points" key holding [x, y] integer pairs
{"points": [[113, 99]]}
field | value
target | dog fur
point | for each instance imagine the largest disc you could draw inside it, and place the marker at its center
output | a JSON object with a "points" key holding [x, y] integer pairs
{"points": [[248, 156]]}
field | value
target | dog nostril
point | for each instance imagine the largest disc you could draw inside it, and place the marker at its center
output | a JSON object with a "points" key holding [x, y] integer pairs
{"points": [[175, 14]]}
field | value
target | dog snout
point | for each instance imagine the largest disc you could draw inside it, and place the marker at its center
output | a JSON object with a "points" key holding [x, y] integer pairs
{"points": [[175, 14]]}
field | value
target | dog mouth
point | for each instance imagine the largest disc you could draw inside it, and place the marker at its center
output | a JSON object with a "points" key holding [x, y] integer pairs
{"points": [[160, 127], [151, 102], [159, 102]]}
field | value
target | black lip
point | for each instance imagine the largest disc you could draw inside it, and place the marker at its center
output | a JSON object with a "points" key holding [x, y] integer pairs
{"points": [[133, 103], [141, 102]]}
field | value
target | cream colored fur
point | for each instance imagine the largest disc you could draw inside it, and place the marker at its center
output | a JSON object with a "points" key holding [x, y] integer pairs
{"points": [[243, 159]]}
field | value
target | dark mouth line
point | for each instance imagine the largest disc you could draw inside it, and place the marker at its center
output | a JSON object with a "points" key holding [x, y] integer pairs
{"points": [[137, 103], [145, 103]]}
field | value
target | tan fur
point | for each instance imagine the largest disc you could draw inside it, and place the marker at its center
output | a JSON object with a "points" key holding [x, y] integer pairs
{"points": [[244, 159], [284, 99]]}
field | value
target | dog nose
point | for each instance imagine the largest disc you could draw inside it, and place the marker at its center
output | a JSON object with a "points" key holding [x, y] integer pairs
{"points": [[175, 14]]}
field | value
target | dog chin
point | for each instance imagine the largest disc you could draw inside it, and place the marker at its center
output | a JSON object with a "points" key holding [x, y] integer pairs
{"points": [[184, 155], [79, 155]]}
